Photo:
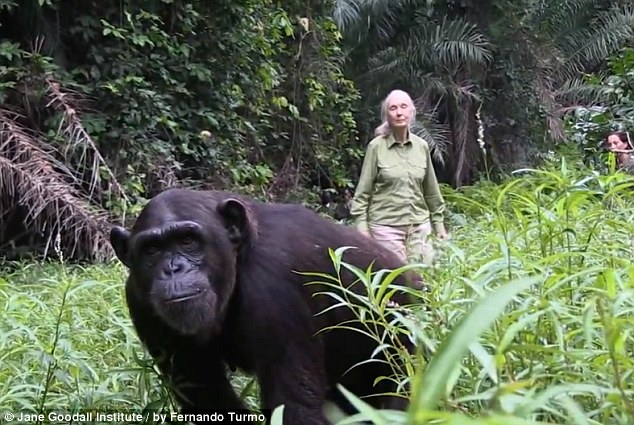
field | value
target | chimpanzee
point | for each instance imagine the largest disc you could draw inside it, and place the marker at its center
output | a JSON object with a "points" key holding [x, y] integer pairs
{"points": [[215, 281], [337, 202]]}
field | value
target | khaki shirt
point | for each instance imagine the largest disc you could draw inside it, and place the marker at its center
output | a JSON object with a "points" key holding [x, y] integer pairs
{"points": [[397, 186]]}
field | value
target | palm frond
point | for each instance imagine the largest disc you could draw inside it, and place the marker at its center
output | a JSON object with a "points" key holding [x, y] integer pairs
{"points": [[72, 129], [433, 132], [430, 86], [459, 43], [34, 178], [572, 38], [590, 47], [386, 61], [429, 51], [348, 16], [436, 46], [363, 20], [577, 92], [558, 18]]}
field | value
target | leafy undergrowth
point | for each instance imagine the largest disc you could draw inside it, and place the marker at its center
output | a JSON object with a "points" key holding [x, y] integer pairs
{"points": [[67, 344], [530, 317], [537, 286]]}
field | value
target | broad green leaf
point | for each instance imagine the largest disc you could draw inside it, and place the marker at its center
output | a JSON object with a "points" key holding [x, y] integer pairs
{"points": [[430, 385]]}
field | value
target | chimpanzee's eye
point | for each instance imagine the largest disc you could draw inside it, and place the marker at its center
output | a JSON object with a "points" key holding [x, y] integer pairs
{"points": [[190, 242]]}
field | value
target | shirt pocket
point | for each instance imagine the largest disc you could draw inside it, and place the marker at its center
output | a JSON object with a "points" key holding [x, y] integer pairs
{"points": [[389, 161], [418, 171], [391, 170]]}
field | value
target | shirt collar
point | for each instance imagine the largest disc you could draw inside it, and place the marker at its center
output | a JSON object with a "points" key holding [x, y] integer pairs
{"points": [[391, 141]]}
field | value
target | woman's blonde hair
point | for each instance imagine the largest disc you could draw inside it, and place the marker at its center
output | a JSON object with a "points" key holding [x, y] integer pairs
{"points": [[384, 129]]}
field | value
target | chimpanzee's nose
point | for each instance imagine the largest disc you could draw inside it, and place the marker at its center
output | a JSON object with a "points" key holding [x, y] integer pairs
{"points": [[174, 266]]}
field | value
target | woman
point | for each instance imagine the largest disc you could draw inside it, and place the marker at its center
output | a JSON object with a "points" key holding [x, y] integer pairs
{"points": [[398, 200], [619, 143]]}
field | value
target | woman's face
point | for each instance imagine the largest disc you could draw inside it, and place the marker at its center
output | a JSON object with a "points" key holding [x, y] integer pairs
{"points": [[399, 111], [614, 143]]}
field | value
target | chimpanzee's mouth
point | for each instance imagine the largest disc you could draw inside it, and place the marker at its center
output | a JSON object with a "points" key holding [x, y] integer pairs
{"points": [[190, 295]]}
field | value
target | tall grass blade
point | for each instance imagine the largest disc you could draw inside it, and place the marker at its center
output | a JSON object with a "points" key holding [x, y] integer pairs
{"points": [[431, 385]]}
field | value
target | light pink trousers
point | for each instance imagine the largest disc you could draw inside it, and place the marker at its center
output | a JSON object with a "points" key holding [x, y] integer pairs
{"points": [[410, 243]]}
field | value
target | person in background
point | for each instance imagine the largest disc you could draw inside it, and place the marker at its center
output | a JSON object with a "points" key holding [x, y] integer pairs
{"points": [[337, 203], [398, 200], [619, 142]]}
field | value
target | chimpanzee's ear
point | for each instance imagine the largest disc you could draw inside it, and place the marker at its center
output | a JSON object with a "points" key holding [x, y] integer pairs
{"points": [[119, 239], [238, 220]]}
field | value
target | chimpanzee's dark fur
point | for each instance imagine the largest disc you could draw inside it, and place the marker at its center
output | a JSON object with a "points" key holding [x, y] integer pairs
{"points": [[213, 283]]}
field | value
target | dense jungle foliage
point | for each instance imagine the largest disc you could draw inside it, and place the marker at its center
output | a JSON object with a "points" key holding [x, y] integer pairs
{"points": [[106, 103]]}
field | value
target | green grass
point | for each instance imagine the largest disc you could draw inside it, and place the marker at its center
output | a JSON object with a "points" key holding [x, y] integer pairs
{"points": [[562, 351], [531, 316], [67, 343]]}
